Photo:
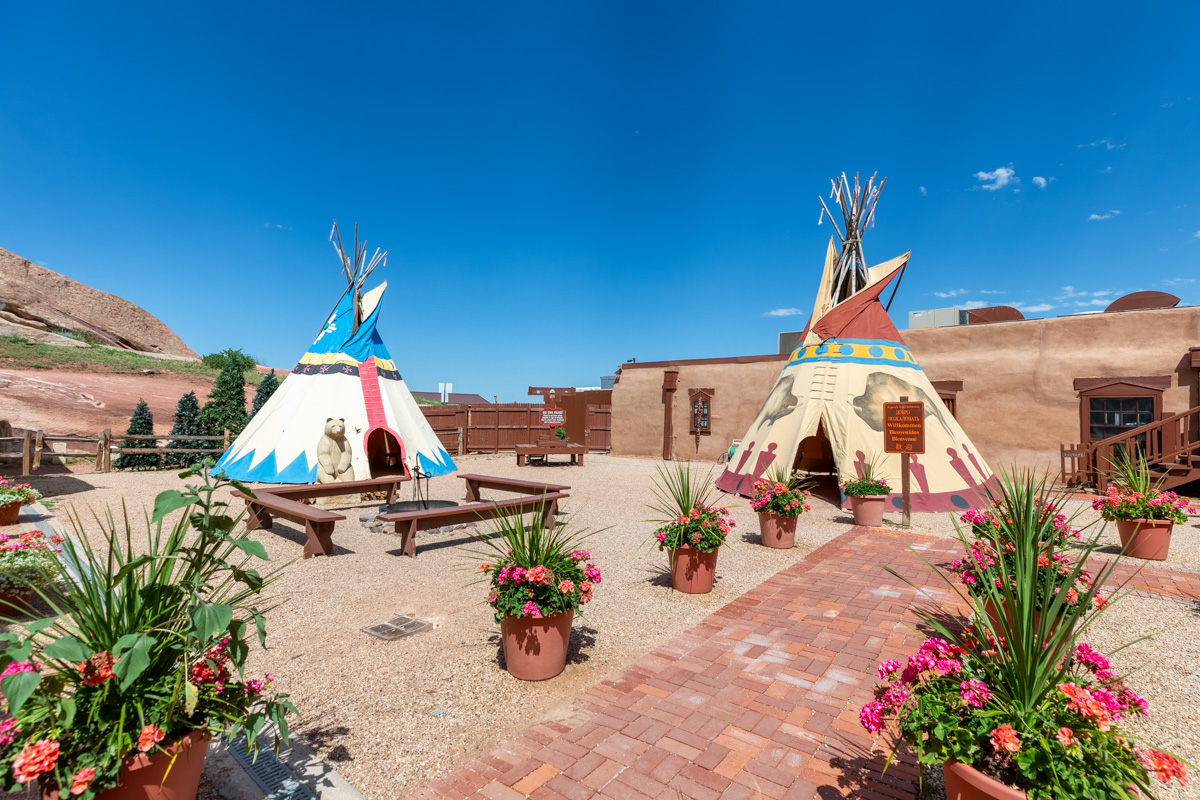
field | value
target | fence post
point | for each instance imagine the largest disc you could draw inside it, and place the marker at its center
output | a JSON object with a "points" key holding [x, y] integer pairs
{"points": [[108, 449], [38, 444], [227, 438], [99, 451], [462, 443], [27, 453]]}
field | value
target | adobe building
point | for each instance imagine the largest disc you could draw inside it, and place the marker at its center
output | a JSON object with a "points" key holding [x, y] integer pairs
{"points": [[1020, 388]]}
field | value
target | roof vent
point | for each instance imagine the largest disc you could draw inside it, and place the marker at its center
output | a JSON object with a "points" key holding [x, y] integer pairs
{"points": [[1141, 301]]}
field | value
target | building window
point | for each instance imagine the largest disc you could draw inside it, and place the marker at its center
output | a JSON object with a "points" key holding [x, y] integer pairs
{"points": [[701, 400], [948, 392], [1112, 416], [1115, 406]]}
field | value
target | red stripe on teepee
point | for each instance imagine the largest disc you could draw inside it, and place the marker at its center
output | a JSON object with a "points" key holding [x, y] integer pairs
{"points": [[368, 376]]}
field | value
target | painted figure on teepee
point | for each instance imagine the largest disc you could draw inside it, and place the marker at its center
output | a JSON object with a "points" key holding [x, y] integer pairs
{"points": [[825, 412], [344, 412]]}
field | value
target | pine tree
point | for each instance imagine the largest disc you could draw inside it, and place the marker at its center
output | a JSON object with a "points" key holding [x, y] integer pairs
{"points": [[226, 407], [140, 424], [266, 388], [187, 423]]}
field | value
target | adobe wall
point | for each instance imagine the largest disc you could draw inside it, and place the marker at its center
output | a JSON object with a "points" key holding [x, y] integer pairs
{"points": [[1018, 400], [637, 405]]}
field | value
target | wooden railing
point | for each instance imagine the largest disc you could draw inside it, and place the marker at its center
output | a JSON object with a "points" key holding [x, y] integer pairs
{"points": [[34, 443], [1169, 442]]}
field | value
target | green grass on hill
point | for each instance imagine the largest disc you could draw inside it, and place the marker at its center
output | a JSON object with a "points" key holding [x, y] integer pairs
{"points": [[20, 353]]}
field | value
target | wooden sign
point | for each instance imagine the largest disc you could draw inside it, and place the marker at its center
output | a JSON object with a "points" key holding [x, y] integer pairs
{"points": [[904, 428], [554, 416]]}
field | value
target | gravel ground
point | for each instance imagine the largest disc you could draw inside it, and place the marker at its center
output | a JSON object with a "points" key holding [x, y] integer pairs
{"points": [[391, 716]]}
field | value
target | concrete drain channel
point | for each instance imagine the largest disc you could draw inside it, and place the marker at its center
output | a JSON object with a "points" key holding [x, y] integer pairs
{"points": [[271, 776]]}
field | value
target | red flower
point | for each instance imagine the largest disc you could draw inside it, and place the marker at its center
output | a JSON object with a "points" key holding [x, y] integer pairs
{"points": [[1005, 738], [97, 669], [150, 736], [81, 779], [35, 760]]}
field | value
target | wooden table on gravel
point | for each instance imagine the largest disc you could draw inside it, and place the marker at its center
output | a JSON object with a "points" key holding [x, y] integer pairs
{"points": [[283, 501], [551, 447], [409, 522], [477, 482]]}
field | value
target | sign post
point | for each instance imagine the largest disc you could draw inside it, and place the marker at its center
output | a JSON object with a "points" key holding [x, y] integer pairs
{"points": [[904, 433]]}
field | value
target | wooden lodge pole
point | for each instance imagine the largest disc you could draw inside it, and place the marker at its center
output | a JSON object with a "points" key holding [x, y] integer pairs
{"points": [[27, 453]]}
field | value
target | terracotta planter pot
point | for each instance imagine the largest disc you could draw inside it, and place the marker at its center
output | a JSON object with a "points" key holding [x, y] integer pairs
{"points": [[967, 783], [9, 513], [868, 511], [994, 618], [1145, 538], [692, 572], [535, 648], [777, 531], [14, 604], [145, 776]]}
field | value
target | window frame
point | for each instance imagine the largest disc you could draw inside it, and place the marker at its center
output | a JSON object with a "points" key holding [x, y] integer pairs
{"points": [[1117, 388], [697, 396]]}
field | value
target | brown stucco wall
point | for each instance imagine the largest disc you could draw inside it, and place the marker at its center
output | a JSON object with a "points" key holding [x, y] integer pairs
{"points": [[1018, 400], [637, 403]]}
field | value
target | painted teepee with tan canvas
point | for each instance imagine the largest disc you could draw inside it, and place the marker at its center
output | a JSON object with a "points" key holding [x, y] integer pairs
{"points": [[825, 413]]}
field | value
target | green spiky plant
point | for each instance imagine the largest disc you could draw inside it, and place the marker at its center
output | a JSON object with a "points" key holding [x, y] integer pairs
{"points": [[535, 570], [1015, 694], [872, 482], [688, 519], [145, 643], [1137, 494]]}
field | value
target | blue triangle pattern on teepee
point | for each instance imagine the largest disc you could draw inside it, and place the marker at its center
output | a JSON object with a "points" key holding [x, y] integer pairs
{"points": [[267, 470], [429, 467]]}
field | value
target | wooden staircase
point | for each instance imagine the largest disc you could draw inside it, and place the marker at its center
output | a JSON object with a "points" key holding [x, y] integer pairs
{"points": [[1171, 447]]}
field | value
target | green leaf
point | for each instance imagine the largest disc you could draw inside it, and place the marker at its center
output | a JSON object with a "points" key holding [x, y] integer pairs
{"points": [[21, 652], [251, 548], [67, 648], [215, 522], [168, 501], [241, 487], [208, 621], [260, 622], [124, 643], [130, 566], [135, 662], [191, 695], [40, 624], [66, 711], [249, 577], [17, 688]]}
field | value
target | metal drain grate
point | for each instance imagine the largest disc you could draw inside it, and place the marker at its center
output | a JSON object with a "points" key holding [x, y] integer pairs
{"points": [[397, 628], [271, 776]]}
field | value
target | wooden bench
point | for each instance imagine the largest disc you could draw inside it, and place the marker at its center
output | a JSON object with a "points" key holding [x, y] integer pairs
{"points": [[477, 482], [318, 523], [409, 522], [310, 491], [548, 447]]}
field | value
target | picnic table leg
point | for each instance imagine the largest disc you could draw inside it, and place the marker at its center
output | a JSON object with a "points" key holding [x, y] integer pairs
{"points": [[408, 537], [257, 517], [549, 513], [520, 459], [320, 539], [473, 487], [581, 459], [391, 494]]}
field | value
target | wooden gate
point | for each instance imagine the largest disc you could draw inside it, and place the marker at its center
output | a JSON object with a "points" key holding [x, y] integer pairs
{"points": [[599, 424]]}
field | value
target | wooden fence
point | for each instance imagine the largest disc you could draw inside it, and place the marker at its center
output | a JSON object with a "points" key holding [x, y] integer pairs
{"points": [[496, 428], [101, 448]]}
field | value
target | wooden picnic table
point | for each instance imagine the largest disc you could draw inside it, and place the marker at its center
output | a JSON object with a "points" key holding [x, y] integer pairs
{"points": [[545, 448]]}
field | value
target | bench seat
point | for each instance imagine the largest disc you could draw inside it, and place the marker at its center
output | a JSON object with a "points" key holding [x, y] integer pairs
{"points": [[477, 482], [318, 523], [409, 522]]}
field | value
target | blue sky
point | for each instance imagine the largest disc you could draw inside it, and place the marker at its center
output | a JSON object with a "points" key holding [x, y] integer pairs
{"points": [[563, 186]]}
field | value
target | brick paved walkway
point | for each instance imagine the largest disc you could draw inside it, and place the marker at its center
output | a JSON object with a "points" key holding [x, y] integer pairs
{"points": [[759, 700]]}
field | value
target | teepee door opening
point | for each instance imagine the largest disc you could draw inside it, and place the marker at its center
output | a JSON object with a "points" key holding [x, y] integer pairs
{"points": [[385, 453], [815, 453]]}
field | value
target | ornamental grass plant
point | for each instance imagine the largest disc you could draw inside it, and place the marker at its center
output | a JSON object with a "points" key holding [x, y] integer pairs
{"points": [[1019, 696], [534, 570], [870, 483], [688, 519], [146, 642], [1136, 494]]}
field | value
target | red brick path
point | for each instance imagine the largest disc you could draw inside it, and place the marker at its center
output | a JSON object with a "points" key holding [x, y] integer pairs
{"points": [[759, 700]]}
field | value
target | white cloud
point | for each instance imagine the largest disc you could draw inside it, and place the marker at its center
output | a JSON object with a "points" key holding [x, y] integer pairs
{"points": [[783, 312], [992, 291], [1108, 215], [277, 226], [1039, 181], [1106, 170], [970, 304], [924, 191], [1038, 308], [1179, 282], [1167, 105], [1197, 234], [1101, 294], [951, 293], [997, 178], [1106, 143]]}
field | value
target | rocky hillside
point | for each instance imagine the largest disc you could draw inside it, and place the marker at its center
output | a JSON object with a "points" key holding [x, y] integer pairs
{"points": [[40, 305]]}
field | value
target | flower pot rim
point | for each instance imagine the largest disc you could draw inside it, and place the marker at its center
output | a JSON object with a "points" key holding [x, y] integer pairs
{"points": [[995, 788], [142, 760]]}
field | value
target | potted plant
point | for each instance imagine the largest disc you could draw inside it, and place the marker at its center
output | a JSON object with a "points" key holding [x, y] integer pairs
{"points": [[780, 499], [538, 578], [12, 497], [1020, 708], [692, 531], [1144, 515], [868, 494], [27, 562], [141, 659], [991, 556]]}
